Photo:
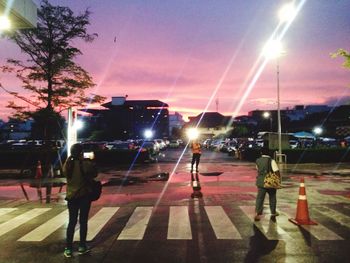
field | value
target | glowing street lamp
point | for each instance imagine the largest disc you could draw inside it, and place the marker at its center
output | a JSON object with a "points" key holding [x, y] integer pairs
{"points": [[287, 13], [273, 49], [317, 131], [267, 115], [148, 134], [192, 134], [5, 23], [78, 124]]}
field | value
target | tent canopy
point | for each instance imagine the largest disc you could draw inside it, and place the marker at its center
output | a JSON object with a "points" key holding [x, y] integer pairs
{"points": [[304, 135]]}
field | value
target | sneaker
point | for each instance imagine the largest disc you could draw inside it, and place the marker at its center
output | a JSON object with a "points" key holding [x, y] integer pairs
{"points": [[257, 218], [275, 214], [68, 253], [83, 250]]}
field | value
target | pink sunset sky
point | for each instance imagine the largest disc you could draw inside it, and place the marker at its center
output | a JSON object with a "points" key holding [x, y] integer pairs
{"points": [[186, 52]]}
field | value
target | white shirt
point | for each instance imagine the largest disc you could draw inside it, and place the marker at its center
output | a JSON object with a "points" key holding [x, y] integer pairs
{"points": [[274, 165]]}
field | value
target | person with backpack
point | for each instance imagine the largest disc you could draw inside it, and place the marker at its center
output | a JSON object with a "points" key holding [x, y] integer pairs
{"points": [[79, 172]]}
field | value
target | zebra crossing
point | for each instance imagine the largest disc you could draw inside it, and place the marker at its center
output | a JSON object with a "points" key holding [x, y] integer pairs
{"points": [[179, 224]]}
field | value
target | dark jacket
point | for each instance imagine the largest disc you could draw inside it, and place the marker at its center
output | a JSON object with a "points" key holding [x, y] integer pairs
{"points": [[77, 185], [263, 166]]}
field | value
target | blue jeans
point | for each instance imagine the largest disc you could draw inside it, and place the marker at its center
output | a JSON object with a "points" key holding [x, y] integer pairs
{"points": [[259, 204], [77, 206]]}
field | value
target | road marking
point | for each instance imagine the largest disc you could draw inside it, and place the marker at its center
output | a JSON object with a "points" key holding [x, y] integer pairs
{"points": [[21, 219], [221, 223], [270, 229], [46, 229], [319, 231], [179, 226], [336, 216], [4, 211], [97, 222], [137, 224]]}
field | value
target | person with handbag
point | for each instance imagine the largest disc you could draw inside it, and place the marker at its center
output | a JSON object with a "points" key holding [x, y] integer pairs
{"points": [[266, 166], [79, 172]]}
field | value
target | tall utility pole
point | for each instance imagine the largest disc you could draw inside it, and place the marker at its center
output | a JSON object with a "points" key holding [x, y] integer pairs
{"points": [[217, 104], [279, 130]]}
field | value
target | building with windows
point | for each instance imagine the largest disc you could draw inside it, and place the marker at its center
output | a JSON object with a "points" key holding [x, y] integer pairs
{"points": [[129, 119]]}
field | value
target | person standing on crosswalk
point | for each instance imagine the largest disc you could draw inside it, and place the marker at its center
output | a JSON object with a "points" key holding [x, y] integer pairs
{"points": [[196, 154], [78, 172], [262, 165]]}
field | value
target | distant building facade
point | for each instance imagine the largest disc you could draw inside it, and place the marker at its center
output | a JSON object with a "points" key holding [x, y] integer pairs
{"points": [[210, 125], [129, 119], [175, 121]]}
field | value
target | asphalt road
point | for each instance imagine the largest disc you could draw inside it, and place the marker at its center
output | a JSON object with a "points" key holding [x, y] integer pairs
{"points": [[144, 216]]}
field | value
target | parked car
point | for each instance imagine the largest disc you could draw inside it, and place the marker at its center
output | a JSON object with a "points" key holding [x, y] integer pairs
{"points": [[94, 146], [162, 144], [121, 146], [174, 144]]}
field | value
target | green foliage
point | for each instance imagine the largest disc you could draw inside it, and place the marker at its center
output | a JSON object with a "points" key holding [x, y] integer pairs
{"points": [[50, 74], [48, 124], [345, 54]]}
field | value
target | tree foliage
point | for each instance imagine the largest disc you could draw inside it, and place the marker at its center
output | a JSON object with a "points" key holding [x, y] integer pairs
{"points": [[345, 54], [50, 75]]}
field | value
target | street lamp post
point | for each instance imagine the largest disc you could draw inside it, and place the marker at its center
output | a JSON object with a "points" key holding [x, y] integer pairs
{"points": [[279, 130], [267, 115], [273, 49]]}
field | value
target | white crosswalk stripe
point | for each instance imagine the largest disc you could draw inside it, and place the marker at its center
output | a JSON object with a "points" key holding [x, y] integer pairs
{"points": [[46, 229], [97, 222], [336, 216], [179, 226], [318, 231], [137, 224], [221, 223], [4, 211], [179, 223], [21, 219], [270, 229]]}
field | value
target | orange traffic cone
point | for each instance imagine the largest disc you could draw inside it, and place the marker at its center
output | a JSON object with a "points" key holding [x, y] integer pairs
{"points": [[302, 216], [39, 172]]}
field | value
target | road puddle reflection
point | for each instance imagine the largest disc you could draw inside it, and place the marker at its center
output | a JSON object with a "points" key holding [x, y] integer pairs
{"points": [[42, 190]]}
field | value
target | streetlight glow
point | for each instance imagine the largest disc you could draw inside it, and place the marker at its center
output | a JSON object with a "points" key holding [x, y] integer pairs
{"points": [[148, 134], [5, 23], [266, 114], [317, 130], [287, 13], [192, 133], [79, 124], [273, 49]]}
